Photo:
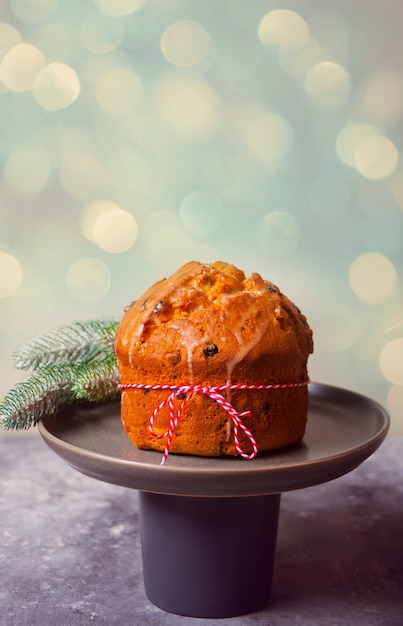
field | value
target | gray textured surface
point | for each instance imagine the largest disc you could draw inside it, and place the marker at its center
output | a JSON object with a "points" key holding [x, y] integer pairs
{"points": [[70, 551]]}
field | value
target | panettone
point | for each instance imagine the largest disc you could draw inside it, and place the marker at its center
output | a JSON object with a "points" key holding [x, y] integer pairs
{"points": [[210, 325]]}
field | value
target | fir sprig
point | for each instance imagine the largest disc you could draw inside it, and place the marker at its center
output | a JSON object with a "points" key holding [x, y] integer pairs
{"points": [[79, 342], [73, 362], [36, 397], [97, 382]]}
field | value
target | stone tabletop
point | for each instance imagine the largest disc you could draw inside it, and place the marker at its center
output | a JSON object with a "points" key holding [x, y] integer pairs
{"points": [[70, 550]]}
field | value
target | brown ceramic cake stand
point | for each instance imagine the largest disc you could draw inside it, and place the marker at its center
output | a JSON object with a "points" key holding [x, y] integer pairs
{"points": [[208, 526]]}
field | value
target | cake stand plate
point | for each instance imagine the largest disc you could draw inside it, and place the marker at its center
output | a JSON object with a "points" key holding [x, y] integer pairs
{"points": [[343, 429], [209, 525]]}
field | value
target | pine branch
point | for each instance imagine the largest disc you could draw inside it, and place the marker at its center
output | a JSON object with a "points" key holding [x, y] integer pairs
{"points": [[97, 382], [73, 362], [36, 397], [73, 344]]}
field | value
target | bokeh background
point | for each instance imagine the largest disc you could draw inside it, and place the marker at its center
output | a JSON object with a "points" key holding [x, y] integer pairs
{"points": [[137, 135]]}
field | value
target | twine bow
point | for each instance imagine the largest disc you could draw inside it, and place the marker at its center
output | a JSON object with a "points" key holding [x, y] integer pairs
{"points": [[187, 392]]}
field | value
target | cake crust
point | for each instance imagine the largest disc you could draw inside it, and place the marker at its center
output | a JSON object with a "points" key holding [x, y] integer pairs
{"points": [[209, 324]]}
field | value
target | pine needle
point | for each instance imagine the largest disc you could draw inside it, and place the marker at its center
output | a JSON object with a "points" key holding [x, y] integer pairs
{"points": [[74, 362], [73, 344], [97, 382], [36, 397]]}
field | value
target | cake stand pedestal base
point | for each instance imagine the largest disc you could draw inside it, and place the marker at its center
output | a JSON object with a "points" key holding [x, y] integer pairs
{"points": [[208, 557]]}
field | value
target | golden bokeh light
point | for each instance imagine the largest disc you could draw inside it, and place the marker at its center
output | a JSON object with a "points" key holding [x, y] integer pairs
{"points": [[90, 214], [189, 106], [376, 157], [56, 87], [185, 43], [349, 139], [21, 66], [365, 147], [268, 135], [328, 84], [119, 91], [88, 279], [391, 361], [115, 230], [11, 275], [283, 29], [372, 277]]}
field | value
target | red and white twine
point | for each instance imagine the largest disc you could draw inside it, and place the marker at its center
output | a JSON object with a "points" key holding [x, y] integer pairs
{"points": [[187, 392]]}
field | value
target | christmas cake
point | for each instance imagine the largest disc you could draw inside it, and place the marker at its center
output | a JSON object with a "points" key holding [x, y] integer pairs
{"points": [[213, 363]]}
